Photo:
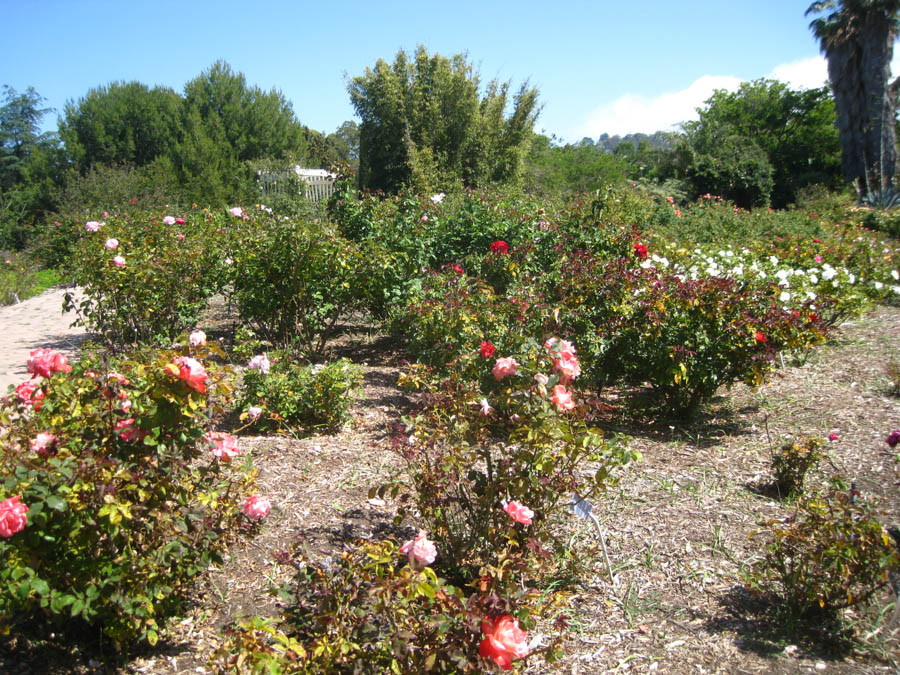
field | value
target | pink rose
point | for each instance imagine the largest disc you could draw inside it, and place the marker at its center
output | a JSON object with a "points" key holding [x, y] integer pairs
{"points": [[197, 338], [562, 398], [179, 236], [519, 512], [253, 412], [128, 432], [105, 214], [832, 437], [568, 369], [119, 261], [169, 220], [179, 221], [504, 367], [420, 550], [225, 446], [261, 363], [12, 516], [503, 641], [92, 226], [191, 371], [818, 258], [236, 212], [43, 444], [560, 349], [112, 244], [30, 394], [424, 219], [45, 362], [256, 507]]}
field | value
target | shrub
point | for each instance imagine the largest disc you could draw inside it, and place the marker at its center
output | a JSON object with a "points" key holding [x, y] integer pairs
{"points": [[792, 462], [125, 502], [831, 554], [142, 278], [293, 280], [300, 397], [20, 278]]}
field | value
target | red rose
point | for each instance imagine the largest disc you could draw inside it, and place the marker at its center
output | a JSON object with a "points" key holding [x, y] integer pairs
{"points": [[640, 251], [487, 349], [500, 247]]}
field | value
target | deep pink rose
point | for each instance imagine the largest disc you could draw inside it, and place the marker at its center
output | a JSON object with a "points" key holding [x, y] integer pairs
{"points": [[256, 507], [818, 258], [893, 438], [519, 512], [420, 550], [45, 362], [197, 338], [562, 398], [119, 261], [44, 444], [169, 220], [191, 371], [225, 446], [833, 437], [112, 244], [504, 367], [30, 394], [179, 221], [12, 516], [503, 641]]}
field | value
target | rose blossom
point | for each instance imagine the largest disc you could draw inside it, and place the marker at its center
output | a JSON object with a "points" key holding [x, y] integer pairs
{"points": [[236, 212], [45, 362], [128, 432], [92, 226], [486, 408], [487, 349], [169, 220], [503, 641], [225, 446], [541, 381], [30, 394], [500, 247], [119, 261], [197, 338], [640, 251], [893, 438], [256, 507], [261, 363], [760, 336], [420, 550], [191, 371], [43, 444], [179, 236], [179, 221], [253, 412], [832, 436], [12, 516], [562, 398], [438, 198], [457, 269], [112, 244], [519, 512], [504, 367]]}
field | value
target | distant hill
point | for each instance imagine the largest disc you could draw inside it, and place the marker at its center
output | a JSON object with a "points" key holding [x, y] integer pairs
{"points": [[661, 140]]}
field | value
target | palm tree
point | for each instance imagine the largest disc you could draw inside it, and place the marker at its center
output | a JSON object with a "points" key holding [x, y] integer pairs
{"points": [[857, 38]]}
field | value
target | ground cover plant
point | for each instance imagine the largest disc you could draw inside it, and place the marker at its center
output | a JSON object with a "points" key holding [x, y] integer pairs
{"points": [[527, 338]]}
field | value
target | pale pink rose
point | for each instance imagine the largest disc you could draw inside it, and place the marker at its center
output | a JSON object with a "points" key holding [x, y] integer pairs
{"points": [[486, 408], [225, 446], [541, 381], [236, 212], [504, 367], [253, 412], [558, 349], [562, 398], [425, 219], [169, 220], [256, 507], [438, 198], [568, 369], [43, 444], [191, 371], [420, 550], [197, 338], [119, 261], [519, 512], [261, 363], [12, 516], [92, 226], [126, 405], [45, 362], [112, 244]]}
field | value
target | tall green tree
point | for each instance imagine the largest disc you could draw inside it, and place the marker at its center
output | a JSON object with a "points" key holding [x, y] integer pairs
{"points": [[426, 123], [764, 128], [857, 38], [121, 123]]}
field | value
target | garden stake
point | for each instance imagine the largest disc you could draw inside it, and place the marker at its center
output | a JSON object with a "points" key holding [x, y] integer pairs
{"points": [[582, 508]]}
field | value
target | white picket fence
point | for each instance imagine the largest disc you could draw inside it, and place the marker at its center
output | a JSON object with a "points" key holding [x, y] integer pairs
{"points": [[318, 184]]}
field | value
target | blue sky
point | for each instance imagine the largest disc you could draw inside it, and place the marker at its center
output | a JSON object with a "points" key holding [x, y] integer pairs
{"points": [[600, 66]]}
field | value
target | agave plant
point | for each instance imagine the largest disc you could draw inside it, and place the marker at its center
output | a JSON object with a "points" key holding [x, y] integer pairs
{"points": [[887, 198]]}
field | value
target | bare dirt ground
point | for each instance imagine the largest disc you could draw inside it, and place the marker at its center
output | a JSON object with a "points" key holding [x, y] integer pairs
{"points": [[678, 526]]}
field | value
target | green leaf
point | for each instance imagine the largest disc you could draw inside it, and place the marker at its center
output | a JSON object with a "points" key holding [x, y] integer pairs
{"points": [[56, 503]]}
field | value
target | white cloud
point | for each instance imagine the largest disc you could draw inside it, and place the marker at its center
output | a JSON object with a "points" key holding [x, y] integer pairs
{"points": [[631, 113]]}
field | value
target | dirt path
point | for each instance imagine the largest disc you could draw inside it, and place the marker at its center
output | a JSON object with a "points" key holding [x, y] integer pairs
{"points": [[32, 324]]}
